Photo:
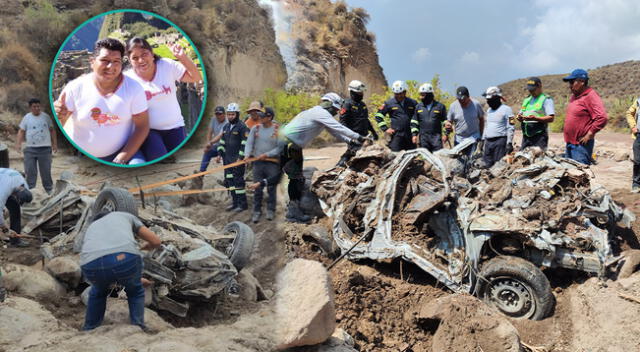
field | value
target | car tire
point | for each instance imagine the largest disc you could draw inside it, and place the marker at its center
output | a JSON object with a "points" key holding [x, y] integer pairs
{"points": [[115, 199], [516, 287], [239, 252]]}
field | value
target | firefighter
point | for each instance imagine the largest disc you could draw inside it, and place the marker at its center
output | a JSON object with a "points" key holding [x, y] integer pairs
{"points": [[400, 109], [355, 116], [230, 150], [427, 122]]}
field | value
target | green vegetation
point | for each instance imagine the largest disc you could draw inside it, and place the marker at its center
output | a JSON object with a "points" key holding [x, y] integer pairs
{"points": [[110, 24], [286, 104]]}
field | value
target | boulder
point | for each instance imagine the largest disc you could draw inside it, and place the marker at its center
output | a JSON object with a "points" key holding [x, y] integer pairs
{"points": [[250, 288], [118, 313], [25, 322], [65, 269], [464, 323], [305, 310], [31, 283]]}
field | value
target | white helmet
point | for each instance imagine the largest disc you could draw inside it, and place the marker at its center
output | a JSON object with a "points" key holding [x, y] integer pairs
{"points": [[399, 87], [357, 86], [492, 92], [334, 98], [426, 88], [233, 107]]}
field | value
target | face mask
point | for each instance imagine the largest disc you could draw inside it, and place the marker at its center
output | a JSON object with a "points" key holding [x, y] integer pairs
{"points": [[357, 97], [428, 98], [494, 103]]}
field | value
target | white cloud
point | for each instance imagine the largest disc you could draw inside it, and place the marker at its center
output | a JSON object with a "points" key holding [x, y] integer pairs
{"points": [[421, 55], [470, 57], [579, 33]]}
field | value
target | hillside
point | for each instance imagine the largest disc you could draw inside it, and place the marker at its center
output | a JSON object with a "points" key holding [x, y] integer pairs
{"points": [[617, 84]]}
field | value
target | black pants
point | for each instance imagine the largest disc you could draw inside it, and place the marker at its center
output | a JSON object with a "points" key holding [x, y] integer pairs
{"points": [[292, 160], [401, 142], [494, 150], [636, 162], [539, 140], [431, 141], [234, 177], [14, 216], [265, 170]]}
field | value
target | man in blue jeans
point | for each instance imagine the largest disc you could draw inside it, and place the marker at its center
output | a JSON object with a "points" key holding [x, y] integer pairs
{"points": [[213, 137], [110, 255]]}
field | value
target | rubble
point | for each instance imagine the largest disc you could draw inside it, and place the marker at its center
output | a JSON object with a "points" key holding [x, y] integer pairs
{"points": [[449, 219], [305, 312], [32, 283], [66, 270], [24, 322]]}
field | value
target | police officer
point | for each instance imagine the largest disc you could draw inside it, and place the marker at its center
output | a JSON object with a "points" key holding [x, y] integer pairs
{"points": [[355, 116], [428, 119], [231, 149], [536, 114], [400, 109]]}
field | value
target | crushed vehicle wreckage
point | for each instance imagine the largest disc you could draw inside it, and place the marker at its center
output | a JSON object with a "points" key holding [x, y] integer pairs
{"points": [[488, 233], [195, 264]]}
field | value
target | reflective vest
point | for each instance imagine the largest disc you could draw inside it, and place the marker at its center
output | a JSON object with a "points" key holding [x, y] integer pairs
{"points": [[532, 128]]}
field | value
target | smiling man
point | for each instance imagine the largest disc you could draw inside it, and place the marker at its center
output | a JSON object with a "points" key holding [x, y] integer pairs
{"points": [[108, 109]]}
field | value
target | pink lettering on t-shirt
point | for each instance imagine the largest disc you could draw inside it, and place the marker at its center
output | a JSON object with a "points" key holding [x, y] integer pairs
{"points": [[165, 90]]}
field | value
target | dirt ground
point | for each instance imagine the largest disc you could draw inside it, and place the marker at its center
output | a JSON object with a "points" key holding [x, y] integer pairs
{"points": [[376, 303]]}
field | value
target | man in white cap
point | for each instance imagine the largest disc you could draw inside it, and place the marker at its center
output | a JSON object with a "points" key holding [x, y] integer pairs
{"points": [[296, 135], [499, 128], [400, 109]]}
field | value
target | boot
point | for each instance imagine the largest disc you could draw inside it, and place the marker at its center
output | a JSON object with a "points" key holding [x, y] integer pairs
{"points": [[242, 204], [255, 218], [18, 242], [234, 202], [295, 214]]}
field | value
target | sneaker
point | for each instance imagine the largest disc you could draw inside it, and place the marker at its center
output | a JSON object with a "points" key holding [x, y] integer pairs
{"points": [[271, 215], [19, 243], [256, 217], [635, 189], [239, 209]]}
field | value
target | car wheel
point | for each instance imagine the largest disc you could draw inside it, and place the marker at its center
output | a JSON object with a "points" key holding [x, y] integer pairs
{"points": [[115, 199], [516, 287], [239, 252]]}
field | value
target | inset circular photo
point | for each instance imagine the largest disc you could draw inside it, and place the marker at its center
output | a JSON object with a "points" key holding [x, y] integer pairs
{"points": [[128, 88]]}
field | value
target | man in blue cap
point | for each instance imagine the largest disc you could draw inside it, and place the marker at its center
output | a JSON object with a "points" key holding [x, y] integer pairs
{"points": [[215, 133], [585, 117]]}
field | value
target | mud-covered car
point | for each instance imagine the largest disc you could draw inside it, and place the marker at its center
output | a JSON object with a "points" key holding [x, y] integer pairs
{"points": [[194, 265], [489, 233]]}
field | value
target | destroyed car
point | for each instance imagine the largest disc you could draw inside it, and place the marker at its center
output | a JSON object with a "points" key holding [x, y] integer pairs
{"points": [[488, 234], [194, 265]]}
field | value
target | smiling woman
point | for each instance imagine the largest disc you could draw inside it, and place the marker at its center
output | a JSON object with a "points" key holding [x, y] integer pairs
{"points": [[123, 115]]}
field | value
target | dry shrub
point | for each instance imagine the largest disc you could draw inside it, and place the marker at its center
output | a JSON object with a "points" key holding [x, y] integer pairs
{"points": [[17, 63], [16, 95]]}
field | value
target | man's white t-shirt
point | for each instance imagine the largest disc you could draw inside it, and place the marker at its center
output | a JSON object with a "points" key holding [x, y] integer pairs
{"points": [[102, 124], [37, 130], [161, 92]]}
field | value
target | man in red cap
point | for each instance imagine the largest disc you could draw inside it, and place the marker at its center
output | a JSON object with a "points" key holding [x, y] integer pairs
{"points": [[585, 117]]}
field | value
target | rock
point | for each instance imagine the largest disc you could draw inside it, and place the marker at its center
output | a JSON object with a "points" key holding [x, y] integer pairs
{"points": [[464, 323], [24, 322], [65, 269], [67, 175], [250, 288], [305, 310], [118, 313], [31, 282], [630, 264], [621, 156], [172, 346]]}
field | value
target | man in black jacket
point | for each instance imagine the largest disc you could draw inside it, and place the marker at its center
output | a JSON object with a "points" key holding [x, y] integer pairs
{"points": [[428, 120], [400, 109], [355, 116]]}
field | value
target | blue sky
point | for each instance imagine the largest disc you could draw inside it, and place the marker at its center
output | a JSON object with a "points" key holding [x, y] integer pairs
{"points": [[485, 43]]}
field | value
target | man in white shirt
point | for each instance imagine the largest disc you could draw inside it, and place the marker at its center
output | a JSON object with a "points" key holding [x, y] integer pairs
{"points": [[108, 109]]}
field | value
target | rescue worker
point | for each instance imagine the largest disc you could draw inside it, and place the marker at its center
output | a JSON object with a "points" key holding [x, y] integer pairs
{"points": [[14, 192], [400, 109], [536, 114], [296, 135], [355, 116], [428, 120], [499, 128], [231, 149], [633, 114]]}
